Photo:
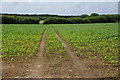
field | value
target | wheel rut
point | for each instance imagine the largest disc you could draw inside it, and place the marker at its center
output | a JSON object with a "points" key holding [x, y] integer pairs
{"points": [[40, 66], [77, 64], [37, 69]]}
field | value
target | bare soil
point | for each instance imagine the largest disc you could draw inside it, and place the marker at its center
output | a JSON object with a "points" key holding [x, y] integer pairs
{"points": [[72, 67]]}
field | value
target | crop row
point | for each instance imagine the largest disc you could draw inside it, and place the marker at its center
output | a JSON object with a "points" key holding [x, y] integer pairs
{"points": [[54, 47], [20, 40], [91, 40]]}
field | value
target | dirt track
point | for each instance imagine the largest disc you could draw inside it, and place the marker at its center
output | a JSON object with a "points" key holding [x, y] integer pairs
{"points": [[73, 67], [77, 64], [50, 68], [37, 68]]}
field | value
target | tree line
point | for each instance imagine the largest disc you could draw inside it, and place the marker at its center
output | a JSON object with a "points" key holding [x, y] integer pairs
{"points": [[85, 19], [56, 19], [19, 20]]}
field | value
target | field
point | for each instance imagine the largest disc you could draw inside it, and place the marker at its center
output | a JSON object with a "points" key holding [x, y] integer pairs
{"points": [[53, 46], [20, 40], [91, 40], [63, 43]]}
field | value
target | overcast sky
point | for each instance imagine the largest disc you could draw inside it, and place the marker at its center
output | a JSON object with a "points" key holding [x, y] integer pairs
{"points": [[60, 0], [60, 8]]}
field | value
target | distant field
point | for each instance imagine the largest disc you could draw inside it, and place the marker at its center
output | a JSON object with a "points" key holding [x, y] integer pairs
{"points": [[41, 21], [88, 40]]}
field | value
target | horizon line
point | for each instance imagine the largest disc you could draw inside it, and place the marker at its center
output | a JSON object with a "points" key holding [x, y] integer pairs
{"points": [[56, 14]]}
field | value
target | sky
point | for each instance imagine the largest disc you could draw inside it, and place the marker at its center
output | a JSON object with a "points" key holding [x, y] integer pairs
{"points": [[71, 7], [60, 0]]}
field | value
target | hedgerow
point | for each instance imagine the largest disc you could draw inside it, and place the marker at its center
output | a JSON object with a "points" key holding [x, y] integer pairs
{"points": [[79, 20], [19, 20]]}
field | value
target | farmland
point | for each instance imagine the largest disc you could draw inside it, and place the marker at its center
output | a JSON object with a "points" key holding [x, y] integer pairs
{"points": [[92, 39], [86, 41], [20, 40], [53, 46]]}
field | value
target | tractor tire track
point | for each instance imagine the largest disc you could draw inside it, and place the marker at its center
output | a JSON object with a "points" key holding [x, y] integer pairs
{"points": [[77, 64], [37, 69]]}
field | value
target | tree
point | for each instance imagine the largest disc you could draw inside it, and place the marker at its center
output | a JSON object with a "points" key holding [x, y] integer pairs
{"points": [[84, 16], [94, 14]]}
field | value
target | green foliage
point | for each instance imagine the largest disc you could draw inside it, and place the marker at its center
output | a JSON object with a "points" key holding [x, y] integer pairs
{"points": [[53, 20], [54, 47], [20, 39], [94, 14], [78, 20], [19, 20], [92, 40], [88, 40], [84, 16]]}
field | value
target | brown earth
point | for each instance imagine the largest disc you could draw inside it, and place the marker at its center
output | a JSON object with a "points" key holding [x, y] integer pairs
{"points": [[72, 67]]}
